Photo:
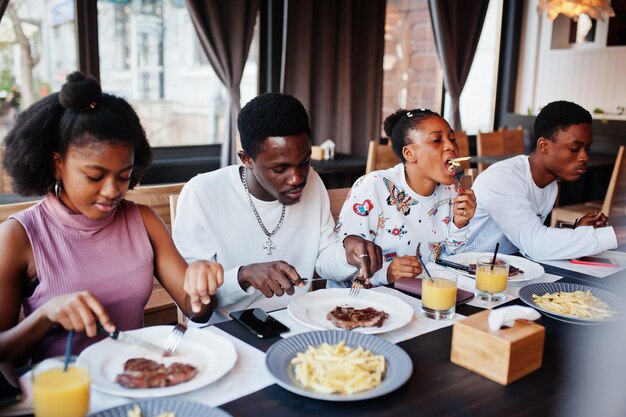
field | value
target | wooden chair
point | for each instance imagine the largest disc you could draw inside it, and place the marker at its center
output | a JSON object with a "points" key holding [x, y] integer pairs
{"points": [[337, 197], [499, 143], [380, 156], [611, 206], [157, 197], [464, 149]]}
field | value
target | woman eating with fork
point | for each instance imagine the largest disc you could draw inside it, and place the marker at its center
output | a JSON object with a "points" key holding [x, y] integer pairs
{"points": [[84, 254], [416, 207]]}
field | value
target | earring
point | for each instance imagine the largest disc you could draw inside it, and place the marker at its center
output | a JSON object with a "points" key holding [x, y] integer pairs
{"points": [[58, 187]]}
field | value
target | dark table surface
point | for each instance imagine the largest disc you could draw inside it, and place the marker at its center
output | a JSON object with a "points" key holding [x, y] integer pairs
{"points": [[441, 388]]}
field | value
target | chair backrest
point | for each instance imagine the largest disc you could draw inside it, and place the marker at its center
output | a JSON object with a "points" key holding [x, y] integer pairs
{"points": [[8, 209], [380, 156], [173, 203], [337, 197], [614, 204], [499, 143], [156, 197], [464, 149]]}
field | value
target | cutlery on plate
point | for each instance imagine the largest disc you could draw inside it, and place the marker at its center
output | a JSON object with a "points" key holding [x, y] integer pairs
{"points": [[455, 265], [132, 340]]}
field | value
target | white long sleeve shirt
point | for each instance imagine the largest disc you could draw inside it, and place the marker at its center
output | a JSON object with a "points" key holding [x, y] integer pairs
{"points": [[512, 209], [214, 221], [383, 208]]}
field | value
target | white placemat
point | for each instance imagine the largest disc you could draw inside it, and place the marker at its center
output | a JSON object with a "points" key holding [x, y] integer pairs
{"points": [[417, 326], [247, 376], [512, 289]]}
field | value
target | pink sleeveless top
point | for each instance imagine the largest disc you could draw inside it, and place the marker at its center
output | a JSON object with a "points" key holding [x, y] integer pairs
{"points": [[112, 258]]}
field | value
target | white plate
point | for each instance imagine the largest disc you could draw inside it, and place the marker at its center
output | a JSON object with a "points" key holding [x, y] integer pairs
{"points": [[532, 270], [212, 354], [311, 308]]}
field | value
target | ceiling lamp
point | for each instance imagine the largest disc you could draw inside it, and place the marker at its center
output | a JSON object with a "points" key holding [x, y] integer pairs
{"points": [[597, 9]]}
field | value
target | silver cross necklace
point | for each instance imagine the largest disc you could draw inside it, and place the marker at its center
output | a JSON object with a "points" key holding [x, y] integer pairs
{"points": [[269, 245]]}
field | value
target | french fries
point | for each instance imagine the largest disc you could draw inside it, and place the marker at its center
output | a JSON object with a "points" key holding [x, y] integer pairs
{"points": [[338, 369], [581, 304], [136, 412]]}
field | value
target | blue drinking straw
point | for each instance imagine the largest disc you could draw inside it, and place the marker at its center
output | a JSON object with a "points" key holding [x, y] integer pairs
{"points": [[68, 349]]}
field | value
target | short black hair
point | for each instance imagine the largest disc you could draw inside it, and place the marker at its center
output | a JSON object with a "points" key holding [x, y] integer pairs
{"points": [[557, 116], [77, 116], [398, 124], [270, 114]]}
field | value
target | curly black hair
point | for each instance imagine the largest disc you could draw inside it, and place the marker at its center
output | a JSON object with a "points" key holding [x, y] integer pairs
{"points": [[557, 116], [270, 114], [398, 124], [77, 116]]}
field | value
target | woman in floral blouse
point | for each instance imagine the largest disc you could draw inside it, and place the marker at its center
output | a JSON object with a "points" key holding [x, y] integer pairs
{"points": [[415, 207]]}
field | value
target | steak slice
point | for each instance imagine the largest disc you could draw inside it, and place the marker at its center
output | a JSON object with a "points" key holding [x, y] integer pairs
{"points": [[350, 318], [178, 373], [146, 373]]}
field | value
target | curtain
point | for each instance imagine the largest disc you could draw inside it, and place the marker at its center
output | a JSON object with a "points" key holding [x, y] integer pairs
{"points": [[3, 7], [225, 30], [333, 63], [457, 26]]}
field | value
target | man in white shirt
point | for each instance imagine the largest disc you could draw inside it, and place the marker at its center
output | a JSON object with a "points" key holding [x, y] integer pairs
{"points": [[516, 195], [269, 222]]}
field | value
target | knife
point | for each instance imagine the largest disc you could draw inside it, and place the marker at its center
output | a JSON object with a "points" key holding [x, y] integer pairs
{"points": [[455, 265], [124, 337]]}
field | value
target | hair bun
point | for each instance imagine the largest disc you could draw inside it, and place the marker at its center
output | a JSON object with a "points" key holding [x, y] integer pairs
{"points": [[80, 92], [391, 120]]}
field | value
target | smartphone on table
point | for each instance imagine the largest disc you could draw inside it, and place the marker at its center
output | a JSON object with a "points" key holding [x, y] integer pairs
{"points": [[594, 260], [259, 322], [10, 389]]}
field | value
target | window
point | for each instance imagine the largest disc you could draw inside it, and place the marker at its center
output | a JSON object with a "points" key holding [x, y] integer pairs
{"points": [[412, 75], [31, 71], [150, 55]]}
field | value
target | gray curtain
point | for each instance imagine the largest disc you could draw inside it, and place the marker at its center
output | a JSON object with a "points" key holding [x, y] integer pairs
{"points": [[333, 63], [457, 25], [225, 30]]}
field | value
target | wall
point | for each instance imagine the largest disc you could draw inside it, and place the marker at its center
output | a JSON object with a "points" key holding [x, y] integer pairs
{"points": [[592, 76]]}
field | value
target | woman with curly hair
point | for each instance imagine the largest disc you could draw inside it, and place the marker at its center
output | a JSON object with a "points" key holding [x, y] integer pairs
{"points": [[84, 254], [416, 207]]}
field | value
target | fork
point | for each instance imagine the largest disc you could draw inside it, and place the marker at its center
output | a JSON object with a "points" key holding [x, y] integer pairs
{"points": [[458, 174], [357, 285], [171, 344]]}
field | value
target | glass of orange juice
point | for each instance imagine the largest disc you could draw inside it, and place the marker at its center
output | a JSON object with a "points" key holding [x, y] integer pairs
{"points": [[59, 393], [439, 294], [491, 278]]}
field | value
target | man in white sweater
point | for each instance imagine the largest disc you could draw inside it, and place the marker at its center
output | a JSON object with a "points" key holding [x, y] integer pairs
{"points": [[268, 222], [516, 195]]}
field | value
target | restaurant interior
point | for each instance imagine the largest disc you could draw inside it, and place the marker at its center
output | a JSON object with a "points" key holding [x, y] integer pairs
{"points": [[487, 66]]}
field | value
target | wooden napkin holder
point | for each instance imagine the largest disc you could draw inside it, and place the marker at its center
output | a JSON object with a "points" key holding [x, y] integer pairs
{"points": [[317, 153], [503, 355]]}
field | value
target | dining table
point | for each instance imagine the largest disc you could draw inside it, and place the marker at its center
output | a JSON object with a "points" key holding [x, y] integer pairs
{"points": [[583, 370]]}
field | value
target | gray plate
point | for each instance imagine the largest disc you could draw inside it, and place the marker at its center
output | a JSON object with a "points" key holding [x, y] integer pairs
{"points": [[151, 408], [614, 301], [398, 364]]}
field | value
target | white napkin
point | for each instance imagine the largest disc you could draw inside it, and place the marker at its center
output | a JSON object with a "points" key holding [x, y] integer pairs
{"points": [[506, 316], [417, 326]]}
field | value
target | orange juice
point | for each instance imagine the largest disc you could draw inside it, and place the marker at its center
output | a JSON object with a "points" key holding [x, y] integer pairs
{"points": [[491, 280], [61, 394], [438, 293]]}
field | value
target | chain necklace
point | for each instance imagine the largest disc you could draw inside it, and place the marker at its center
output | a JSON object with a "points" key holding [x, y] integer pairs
{"points": [[269, 245], [532, 192]]}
